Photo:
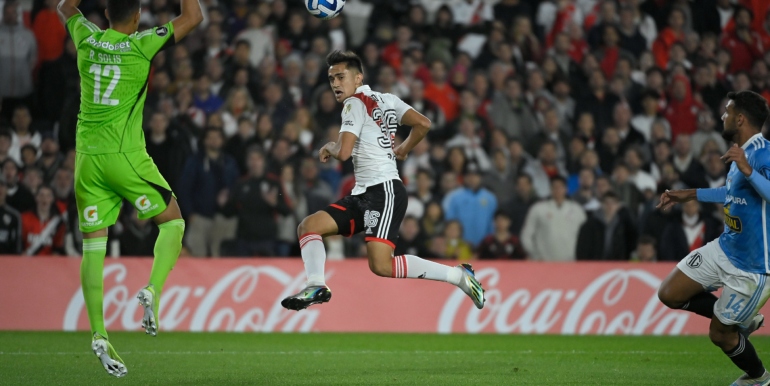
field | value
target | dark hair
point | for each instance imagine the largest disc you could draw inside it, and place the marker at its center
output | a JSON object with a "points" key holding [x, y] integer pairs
{"points": [[348, 57], [741, 8], [500, 212], [559, 178], [122, 10], [647, 239], [649, 93], [242, 42], [752, 105], [610, 194]]}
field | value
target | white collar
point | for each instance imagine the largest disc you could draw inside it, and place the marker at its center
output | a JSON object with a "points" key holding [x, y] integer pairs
{"points": [[755, 136], [363, 88]]}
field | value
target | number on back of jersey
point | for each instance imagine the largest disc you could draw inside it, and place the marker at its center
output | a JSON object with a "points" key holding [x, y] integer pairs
{"points": [[388, 123]]}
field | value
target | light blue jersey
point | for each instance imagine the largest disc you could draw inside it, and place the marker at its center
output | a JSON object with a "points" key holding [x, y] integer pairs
{"points": [[746, 216]]}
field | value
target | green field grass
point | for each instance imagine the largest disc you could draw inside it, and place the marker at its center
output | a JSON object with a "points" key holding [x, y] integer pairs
{"points": [[57, 358]]}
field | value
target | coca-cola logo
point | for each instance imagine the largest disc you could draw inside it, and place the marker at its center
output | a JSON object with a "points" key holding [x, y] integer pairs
{"points": [[610, 304], [245, 299]]}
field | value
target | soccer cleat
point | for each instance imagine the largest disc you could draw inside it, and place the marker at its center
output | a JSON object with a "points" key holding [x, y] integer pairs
{"points": [[109, 358], [307, 297], [756, 322], [471, 286], [146, 298], [744, 380]]}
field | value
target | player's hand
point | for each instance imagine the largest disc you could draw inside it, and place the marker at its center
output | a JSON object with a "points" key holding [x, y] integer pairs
{"points": [[400, 152], [324, 154], [737, 155], [671, 197]]}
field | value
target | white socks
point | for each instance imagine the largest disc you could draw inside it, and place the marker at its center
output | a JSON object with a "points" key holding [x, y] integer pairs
{"points": [[314, 256], [413, 267]]}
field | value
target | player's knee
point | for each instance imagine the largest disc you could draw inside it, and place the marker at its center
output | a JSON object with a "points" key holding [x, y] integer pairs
{"points": [[380, 268], [304, 227], [666, 297], [723, 338]]}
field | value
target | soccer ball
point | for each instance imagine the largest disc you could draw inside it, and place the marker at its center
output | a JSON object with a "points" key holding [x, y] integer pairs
{"points": [[324, 9]]}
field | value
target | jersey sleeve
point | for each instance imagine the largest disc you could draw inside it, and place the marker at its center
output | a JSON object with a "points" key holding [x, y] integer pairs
{"points": [[760, 162], [154, 40], [399, 106], [353, 116], [80, 28]]}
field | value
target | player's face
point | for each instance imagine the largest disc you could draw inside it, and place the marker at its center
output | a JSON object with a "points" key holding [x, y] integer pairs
{"points": [[730, 127], [344, 81]]}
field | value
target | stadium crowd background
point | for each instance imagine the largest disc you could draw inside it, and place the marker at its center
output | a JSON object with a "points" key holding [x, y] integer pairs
{"points": [[556, 124]]}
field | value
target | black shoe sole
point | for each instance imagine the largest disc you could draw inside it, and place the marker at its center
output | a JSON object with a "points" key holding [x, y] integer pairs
{"points": [[296, 304]]}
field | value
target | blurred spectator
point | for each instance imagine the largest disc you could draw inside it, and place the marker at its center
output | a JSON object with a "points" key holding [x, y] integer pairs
{"points": [[507, 10], [207, 177], [473, 206], [203, 98], [50, 158], [62, 184], [49, 32], [18, 196], [609, 233], [545, 168], [238, 105], [10, 228], [137, 236], [501, 245], [598, 101], [59, 78], [625, 188], [715, 170], [706, 132], [456, 247], [318, 193], [411, 240], [168, 149], [642, 122], [18, 57], [518, 206], [501, 179], [43, 227], [551, 133], [22, 133], [510, 114], [33, 179], [646, 251], [213, 47], [440, 92], [743, 44], [434, 217], [629, 135], [585, 194], [292, 197], [5, 145], [469, 141], [635, 160], [690, 170], [550, 231], [259, 37], [687, 232], [682, 109], [673, 33], [256, 201]]}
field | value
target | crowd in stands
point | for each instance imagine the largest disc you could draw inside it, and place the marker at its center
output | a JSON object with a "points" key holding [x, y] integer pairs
{"points": [[556, 123]]}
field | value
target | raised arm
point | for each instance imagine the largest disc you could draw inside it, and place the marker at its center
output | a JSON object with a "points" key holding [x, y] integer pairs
{"points": [[191, 16], [67, 9]]}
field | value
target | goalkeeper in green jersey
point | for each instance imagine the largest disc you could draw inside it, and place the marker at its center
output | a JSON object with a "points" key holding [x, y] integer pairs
{"points": [[112, 162]]}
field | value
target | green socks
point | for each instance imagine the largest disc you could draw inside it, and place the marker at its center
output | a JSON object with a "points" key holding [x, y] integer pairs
{"points": [[91, 278], [167, 248]]}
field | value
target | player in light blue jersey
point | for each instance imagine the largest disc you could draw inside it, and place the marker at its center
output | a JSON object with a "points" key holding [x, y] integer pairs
{"points": [[738, 260]]}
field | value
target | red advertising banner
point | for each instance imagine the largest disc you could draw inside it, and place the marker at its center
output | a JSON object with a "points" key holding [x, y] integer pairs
{"points": [[245, 294]]}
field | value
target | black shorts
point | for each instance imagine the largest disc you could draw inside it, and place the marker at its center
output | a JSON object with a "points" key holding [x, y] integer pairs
{"points": [[378, 212]]}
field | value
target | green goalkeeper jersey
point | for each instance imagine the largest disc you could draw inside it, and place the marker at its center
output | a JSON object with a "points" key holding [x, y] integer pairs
{"points": [[114, 71]]}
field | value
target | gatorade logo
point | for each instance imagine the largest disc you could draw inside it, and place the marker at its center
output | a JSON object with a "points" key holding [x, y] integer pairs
{"points": [[90, 214], [142, 203]]}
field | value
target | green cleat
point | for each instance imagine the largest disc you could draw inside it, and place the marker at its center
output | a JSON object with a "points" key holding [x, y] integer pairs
{"points": [[147, 299], [471, 286], [108, 356]]}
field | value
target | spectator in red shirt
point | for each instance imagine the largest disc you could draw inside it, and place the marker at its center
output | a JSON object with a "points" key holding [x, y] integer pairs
{"points": [[743, 44], [42, 229], [440, 92], [394, 52], [682, 108], [49, 32], [501, 245], [670, 35]]}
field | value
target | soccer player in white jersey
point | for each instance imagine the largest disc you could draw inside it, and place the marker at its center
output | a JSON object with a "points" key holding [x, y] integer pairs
{"points": [[738, 260], [378, 201]]}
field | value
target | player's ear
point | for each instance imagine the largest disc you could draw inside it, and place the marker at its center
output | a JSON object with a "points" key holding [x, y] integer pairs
{"points": [[107, 14], [360, 78]]}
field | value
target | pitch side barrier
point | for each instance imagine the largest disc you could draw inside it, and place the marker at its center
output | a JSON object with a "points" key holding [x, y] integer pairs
{"points": [[243, 295]]}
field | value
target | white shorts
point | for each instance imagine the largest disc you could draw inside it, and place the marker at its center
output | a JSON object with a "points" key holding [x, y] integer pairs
{"points": [[744, 293]]}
